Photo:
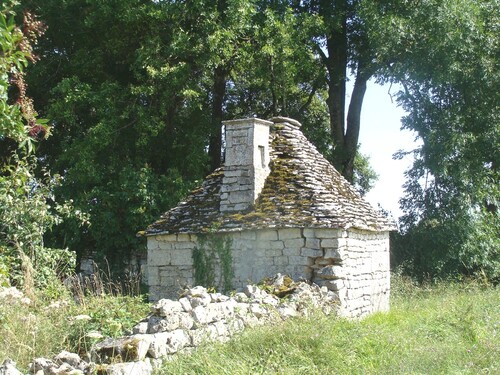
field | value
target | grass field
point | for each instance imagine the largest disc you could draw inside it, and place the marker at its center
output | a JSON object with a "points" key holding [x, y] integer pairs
{"points": [[444, 328], [434, 329]]}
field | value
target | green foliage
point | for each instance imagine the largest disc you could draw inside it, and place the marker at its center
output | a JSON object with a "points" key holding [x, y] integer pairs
{"points": [[26, 202], [13, 60], [213, 261], [27, 214], [19, 125], [133, 121], [126, 140], [444, 55], [444, 248], [103, 316], [136, 106], [364, 175], [45, 328]]}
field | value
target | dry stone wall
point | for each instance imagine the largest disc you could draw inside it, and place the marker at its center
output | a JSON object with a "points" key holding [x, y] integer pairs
{"points": [[177, 326], [352, 263]]}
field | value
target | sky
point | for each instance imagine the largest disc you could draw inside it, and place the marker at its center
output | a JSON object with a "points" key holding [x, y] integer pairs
{"points": [[380, 137]]}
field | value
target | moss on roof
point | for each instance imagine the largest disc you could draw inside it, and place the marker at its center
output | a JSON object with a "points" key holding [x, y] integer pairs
{"points": [[302, 190]]}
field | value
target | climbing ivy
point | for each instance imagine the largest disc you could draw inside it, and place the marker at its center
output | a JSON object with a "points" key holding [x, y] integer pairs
{"points": [[212, 257]]}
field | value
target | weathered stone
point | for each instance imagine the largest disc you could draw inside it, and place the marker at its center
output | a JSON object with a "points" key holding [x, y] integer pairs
{"points": [[241, 297], [158, 324], [241, 308], [127, 368], [196, 291], [40, 364], [235, 325], [248, 235], [221, 329], [332, 253], [312, 243], [182, 256], [72, 359], [159, 257], [331, 272], [8, 367], [269, 253], [141, 327], [218, 297], [257, 310], [327, 233], [64, 369], [280, 260], [131, 348], [186, 321], [306, 210], [271, 300], [294, 242], [289, 233], [313, 253], [266, 235], [166, 343], [286, 311], [252, 291], [203, 315], [294, 260], [291, 251], [197, 337], [165, 307], [202, 299]]}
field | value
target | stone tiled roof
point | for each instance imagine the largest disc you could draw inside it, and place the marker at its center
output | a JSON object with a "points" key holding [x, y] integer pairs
{"points": [[302, 190]]}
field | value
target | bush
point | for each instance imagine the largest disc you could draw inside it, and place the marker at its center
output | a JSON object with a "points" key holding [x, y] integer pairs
{"points": [[466, 245]]}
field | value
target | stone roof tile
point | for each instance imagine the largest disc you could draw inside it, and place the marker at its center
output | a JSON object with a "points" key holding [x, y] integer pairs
{"points": [[302, 190]]}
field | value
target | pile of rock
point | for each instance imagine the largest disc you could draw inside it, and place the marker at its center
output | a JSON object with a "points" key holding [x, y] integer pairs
{"points": [[198, 316]]}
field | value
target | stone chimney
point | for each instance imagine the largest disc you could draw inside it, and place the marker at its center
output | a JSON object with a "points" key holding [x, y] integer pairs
{"points": [[246, 165]]}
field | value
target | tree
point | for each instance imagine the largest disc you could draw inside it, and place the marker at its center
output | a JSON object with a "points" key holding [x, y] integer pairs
{"points": [[136, 106], [124, 141], [25, 212], [444, 54], [337, 34]]}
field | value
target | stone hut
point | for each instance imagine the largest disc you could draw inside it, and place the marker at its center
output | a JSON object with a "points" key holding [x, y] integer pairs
{"points": [[276, 206]]}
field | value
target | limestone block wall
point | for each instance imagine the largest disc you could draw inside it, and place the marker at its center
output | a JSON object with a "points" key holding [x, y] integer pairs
{"points": [[246, 164], [352, 263], [356, 265], [170, 264]]}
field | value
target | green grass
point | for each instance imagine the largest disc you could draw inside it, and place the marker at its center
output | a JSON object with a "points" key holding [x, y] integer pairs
{"points": [[439, 329], [43, 329], [435, 329]]}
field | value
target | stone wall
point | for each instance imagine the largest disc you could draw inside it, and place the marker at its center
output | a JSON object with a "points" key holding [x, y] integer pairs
{"points": [[179, 326], [246, 164], [352, 263]]}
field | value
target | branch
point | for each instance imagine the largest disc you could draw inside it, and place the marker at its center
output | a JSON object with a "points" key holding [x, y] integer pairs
{"points": [[316, 85]]}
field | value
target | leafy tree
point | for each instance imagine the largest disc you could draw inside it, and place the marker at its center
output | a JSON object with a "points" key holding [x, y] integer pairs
{"points": [[124, 140], [136, 91], [24, 208], [337, 33], [445, 55]]}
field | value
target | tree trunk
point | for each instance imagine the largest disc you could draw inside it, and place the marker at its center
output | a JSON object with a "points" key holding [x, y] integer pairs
{"points": [[336, 66], [218, 94], [344, 134], [353, 125]]}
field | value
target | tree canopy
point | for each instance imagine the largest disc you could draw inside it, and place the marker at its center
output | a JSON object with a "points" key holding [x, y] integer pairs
{"points": [[449, 71], [135, 91]]}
